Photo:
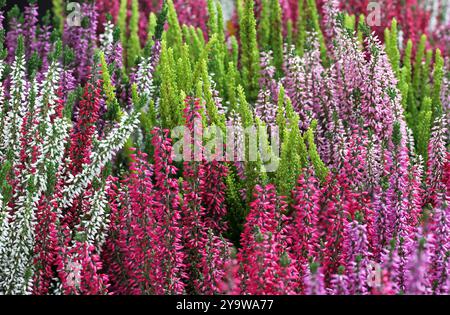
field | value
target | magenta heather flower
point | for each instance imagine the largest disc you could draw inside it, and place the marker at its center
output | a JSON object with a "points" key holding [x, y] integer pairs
{"points": [[135, 243], [380, 98], [169, 255], [332, 216], [339, 284], [231, 282], [115, 248], [266, 266]]}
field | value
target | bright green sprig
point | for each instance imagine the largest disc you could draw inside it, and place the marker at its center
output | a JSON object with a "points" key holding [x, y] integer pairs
{"points": [[249, 51]]}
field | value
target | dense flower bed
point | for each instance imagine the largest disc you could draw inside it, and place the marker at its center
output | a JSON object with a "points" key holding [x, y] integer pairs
{"points": [[147, 149]]}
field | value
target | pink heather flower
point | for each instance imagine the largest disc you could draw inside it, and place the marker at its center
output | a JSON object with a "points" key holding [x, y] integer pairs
{"points": [[45, 248], [83, 41], [235, 143], [354, 178], [380, 98], [384, 211], [30, 28], [304, 83], [403, 231], [213, 195], [417, 276], [339, 285], [231, 281], [440, 229], [305, 237], [266, 267], [413, 16], [357, 255], [332, 141], [267, 79], [349, 70], [331, 226]]}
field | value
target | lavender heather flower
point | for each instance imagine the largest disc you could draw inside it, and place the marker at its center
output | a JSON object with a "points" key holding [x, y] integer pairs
{"points": [[82, 40], [145, 72], [437, 156], [417, 276], [265, 107]]}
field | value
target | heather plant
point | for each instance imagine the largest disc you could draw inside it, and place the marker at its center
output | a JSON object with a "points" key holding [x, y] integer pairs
{"points": [[151, 150]]}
